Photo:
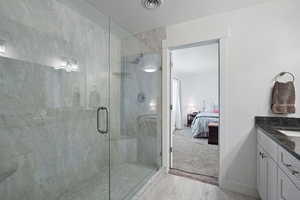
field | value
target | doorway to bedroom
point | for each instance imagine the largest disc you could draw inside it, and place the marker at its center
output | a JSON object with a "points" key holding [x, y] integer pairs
{"points": [[195, 112]]}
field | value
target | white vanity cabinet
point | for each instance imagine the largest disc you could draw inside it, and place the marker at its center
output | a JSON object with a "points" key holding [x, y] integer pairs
{"points": [[262, 173], [287, 190], [266, 171], [277, 171], [271, 179]]}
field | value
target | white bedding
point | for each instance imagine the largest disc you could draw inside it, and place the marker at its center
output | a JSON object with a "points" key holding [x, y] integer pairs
{"points": [[201, 121]]}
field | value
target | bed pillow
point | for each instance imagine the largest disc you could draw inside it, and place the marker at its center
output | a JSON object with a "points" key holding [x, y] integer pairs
{"points": [[216, 111]]}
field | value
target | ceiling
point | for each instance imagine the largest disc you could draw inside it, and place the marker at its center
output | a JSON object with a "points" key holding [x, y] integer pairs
{"points": [[131, 15], [196, 60]]}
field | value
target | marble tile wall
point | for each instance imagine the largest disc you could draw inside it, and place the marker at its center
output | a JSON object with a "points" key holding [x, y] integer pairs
{"points": [[153, 39], [135, 116], [144, 42], [141, 94], [141, 102], [49, 141]]}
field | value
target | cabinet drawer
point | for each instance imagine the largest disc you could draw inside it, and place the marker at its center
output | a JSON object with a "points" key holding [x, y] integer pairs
{"points": [[286, 189], [267, 144], [290, 165]]}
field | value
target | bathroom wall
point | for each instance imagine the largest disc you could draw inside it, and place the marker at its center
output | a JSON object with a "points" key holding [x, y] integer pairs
{"points": [[47, 115], [260, 42]]}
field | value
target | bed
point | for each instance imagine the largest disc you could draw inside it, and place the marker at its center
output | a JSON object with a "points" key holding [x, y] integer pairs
{"points": [[200, 123]]}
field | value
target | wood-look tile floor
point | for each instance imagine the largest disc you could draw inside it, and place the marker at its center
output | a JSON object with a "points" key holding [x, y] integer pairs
{"points": [[171, 187]]}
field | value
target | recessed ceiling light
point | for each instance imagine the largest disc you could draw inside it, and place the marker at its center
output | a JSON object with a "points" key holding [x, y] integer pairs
{"points": [[152, 4]]}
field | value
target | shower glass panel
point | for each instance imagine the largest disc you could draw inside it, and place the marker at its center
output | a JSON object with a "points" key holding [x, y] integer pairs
{"points": [[80, 107], [54, 74], [135, 134]]}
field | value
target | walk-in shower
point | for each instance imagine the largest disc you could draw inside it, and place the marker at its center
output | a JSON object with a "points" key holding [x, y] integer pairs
{"points": [[80, 110]]}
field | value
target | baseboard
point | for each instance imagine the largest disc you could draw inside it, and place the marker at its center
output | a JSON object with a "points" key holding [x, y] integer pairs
{"points": [[239, 188]]}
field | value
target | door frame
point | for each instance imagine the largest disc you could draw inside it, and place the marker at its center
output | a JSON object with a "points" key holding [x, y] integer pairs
{"points": [[171, 88], [166, 103]]}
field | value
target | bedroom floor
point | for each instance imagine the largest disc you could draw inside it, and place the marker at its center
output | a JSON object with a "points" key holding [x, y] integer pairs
{"points": [[195, 158]]}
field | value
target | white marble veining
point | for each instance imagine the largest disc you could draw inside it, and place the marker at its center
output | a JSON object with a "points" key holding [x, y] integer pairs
{"points": [[153, 38]]}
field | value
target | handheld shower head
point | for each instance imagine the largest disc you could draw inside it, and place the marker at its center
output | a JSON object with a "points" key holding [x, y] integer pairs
{"points": [[137, 60]]}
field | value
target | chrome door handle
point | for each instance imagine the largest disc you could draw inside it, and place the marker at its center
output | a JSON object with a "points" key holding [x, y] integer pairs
{"points": [[105, 131]]}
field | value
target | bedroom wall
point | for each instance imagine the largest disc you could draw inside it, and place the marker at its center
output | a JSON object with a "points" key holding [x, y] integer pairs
{"points": [[198, 73], [196, 89], [260, 42]]}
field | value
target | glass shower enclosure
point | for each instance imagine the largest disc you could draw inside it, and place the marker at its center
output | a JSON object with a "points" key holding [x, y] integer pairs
{"points": [[80, 104]]}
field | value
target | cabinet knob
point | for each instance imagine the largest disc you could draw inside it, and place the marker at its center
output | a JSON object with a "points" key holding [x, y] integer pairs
{"points": [[290, 167], [287, 165], [294, 172]]}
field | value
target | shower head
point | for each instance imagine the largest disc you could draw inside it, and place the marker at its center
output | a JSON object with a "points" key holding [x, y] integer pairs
{"points": [[137, 60]]}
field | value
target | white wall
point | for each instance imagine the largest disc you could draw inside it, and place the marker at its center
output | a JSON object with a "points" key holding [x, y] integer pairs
{"points": [[198, 88], [197, 69], [262, 41]]}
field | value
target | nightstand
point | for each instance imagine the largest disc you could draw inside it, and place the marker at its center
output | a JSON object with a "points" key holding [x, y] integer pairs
{"points": [[190, 117]]}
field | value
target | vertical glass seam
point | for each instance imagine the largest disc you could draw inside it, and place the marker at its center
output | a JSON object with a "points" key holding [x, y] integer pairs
{"points": [[109, 106]]}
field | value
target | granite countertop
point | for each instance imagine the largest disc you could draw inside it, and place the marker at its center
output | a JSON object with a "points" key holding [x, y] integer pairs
{"points": [[271, 126]]}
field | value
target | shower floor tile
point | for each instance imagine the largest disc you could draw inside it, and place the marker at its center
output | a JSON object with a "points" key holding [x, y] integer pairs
{"points": [[125, 178]]}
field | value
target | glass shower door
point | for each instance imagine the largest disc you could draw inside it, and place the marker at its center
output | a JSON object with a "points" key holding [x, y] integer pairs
{"points": [[135, 100], [97, 79], [80, 104], [54, 88]]}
